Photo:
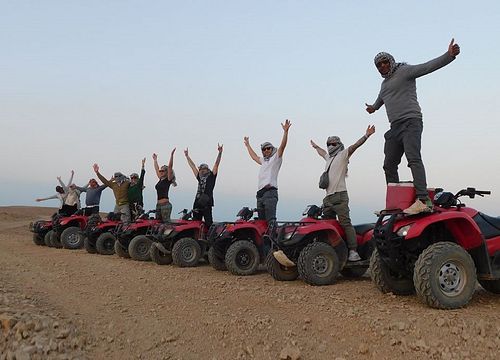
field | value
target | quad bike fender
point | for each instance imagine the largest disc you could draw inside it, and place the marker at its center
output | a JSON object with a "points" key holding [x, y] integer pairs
{"points": [[327, 232], [78, 221], [464, 230]]}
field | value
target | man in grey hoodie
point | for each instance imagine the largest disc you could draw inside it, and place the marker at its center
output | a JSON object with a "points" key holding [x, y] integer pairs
{"points": [[398, 93]]}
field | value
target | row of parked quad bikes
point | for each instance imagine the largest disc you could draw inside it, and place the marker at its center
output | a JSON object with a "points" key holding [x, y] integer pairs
{"points": [[439, 255]]}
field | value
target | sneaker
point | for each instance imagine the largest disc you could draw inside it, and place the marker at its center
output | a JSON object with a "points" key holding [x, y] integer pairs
{"points": [[353, 256], [418, 207]]}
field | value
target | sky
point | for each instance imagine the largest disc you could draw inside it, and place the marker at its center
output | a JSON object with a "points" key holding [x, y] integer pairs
{"points": [[112, 82]]}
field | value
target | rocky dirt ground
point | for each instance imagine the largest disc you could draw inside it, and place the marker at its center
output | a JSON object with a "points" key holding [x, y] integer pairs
{"points": [[61, 304]]}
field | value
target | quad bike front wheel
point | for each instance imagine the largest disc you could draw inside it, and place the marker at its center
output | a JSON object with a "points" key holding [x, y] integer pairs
{"points": [[72, 238], [159, 257], [105, 244], [242, 258], [278, 271], [121, 251], [216, 259], [186, 252], [445, 276], [386, 280], [318, 264], [139, 248]]}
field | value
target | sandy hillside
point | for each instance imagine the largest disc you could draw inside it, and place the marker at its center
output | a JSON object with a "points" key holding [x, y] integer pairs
{"points": [[62, 304]]}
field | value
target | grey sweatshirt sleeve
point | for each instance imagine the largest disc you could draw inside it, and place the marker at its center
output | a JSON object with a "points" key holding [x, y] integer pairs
{"points": [[416, 71], [378, 103]]}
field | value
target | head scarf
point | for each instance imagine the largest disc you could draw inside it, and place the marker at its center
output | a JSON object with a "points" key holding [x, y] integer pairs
{"points": [[120, 178], [273, 151], [393, 66], [334, 150]]}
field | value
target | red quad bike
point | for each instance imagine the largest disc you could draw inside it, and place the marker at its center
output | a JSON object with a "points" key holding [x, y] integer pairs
{"points": [[67, 230], [126, 232], [41, 229], [182, 242], [314, 249], [239, 246], [100, 234], [441, 254]]}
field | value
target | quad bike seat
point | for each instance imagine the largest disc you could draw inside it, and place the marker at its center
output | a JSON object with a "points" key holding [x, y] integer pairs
{"points": [[362, 228], [489, 225]]}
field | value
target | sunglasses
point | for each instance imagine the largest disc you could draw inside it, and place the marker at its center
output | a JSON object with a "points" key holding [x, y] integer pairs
{"points": [[161, 170], [332, 144], [267, 148]]}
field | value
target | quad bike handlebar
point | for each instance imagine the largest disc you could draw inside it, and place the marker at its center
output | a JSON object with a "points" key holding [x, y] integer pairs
{"points": [[472, 192]]}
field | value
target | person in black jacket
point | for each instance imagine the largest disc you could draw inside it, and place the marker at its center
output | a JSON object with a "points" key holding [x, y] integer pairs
{"points": [[204, 200]]}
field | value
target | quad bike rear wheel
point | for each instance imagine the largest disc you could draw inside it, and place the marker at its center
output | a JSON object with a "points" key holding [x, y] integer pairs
{"points": [[72, 238], [139, 248], [355, 272], [55, 240], [280, 272], [242, 258], [318, 264], [216, 259], [105, 244], [121, 251], [38, 239], [89, 246], [47, 239], [386, 280], [493, 286], [159, 257], [186, 252], [445, 276]]}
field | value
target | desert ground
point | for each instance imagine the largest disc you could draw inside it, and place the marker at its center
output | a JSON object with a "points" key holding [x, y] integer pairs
{"points": [[62, 304]]}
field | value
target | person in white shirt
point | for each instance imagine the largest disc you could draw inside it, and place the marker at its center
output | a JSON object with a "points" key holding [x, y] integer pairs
{"points": [[336, 201], [270, 164]]}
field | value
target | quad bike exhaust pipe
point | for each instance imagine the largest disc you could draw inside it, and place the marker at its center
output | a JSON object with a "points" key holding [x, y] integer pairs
{"points": [[283, 259], [160, 247]]}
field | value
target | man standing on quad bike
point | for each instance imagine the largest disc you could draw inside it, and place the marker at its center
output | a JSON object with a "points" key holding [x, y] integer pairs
{"points": [[119, 183], [267, 194], [399, 94], [166, 177], [204, 200], [336, 201], [135, 191], [93, 196]]}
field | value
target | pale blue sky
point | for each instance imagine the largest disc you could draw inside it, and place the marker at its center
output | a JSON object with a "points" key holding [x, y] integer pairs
{"points": [[114, 81]]}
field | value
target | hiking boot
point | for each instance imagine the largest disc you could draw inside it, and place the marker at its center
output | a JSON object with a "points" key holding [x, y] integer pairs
{"points": [[353, 256], [418, 207]]}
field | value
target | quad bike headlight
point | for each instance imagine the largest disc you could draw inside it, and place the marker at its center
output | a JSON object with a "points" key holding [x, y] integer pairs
{"points": [[288, 235], [403, 231], [167, 232]]}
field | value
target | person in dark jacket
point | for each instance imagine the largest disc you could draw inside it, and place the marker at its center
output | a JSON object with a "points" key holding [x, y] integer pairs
{"points": [[135, 198], [204, 199]]}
